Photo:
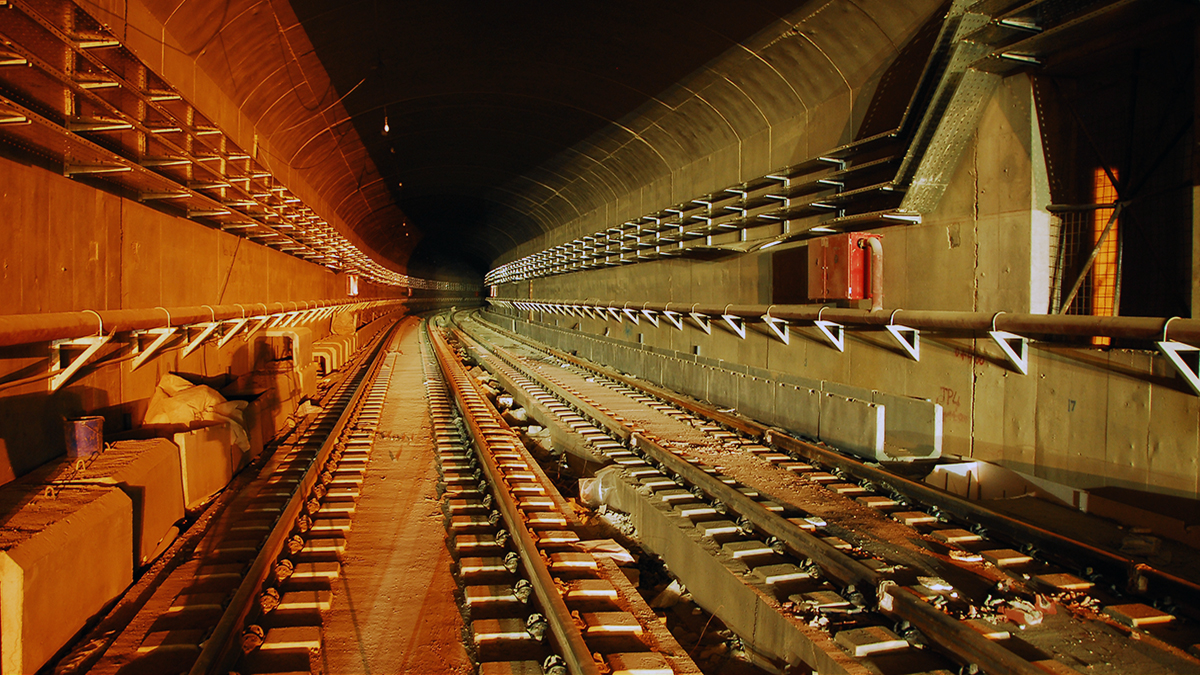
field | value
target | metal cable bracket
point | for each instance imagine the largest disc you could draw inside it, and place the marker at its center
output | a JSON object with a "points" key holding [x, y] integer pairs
{"points": [[650, 315], [835, 333], [1174, 352], [1018, 356], [631, 313], [61, 375], [778, 326], [912, 343]]}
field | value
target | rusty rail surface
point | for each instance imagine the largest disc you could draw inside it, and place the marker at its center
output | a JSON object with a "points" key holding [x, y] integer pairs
{"points": [[575, 651], [1070, 551], [220, 651], [942, 629]]}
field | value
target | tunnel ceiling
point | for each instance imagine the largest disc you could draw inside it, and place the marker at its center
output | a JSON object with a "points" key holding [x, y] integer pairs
{"points": [[478, 95], [508, 121]]}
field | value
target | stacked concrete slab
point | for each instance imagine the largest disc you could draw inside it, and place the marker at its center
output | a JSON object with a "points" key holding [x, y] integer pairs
{"points": [[149, 473], [332, 352], [301, 342], [208, 459], [65, 552]]}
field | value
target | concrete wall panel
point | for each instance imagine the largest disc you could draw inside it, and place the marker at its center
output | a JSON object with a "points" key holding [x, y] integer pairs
{"points": [[853, 424]]}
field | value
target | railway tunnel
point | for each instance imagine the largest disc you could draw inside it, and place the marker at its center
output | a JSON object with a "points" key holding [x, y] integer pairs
{"points": [[764, 336]]}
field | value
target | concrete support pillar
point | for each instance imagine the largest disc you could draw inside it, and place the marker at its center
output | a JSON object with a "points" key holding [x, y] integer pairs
{"points": [[1013, 191]]}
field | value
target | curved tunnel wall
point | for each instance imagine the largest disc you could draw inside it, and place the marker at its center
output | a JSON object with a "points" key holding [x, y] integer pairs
{"points": [[799, 87]]}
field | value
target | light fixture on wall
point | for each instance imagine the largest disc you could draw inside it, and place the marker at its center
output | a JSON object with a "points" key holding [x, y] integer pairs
{"points": [[386, 128]]}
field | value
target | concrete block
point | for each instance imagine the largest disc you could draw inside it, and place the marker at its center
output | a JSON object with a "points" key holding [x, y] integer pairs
{"points": [[853, 425], [148, 472], [716, 528], [610, 623], [62, 558], [590, 589], [300, 346], [914, 427], [1137, 615], [639, 663], [1005, 557], [1063, 582], [747, 549], [292, 638], [955, 536], [208, 459], [820, 599], [914, 517], [877, 502], [333, 352], [493, 630], [871, 640], [780, 573], [299, 343], [798, 409]]}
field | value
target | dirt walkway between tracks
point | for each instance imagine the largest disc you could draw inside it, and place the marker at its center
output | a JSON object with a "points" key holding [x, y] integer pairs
{"points": [[394, 609]]}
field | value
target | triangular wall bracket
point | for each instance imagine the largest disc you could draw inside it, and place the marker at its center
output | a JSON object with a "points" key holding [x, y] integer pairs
{"points": [[779, 327], [144, 355], [736, 323], [1172, 350], [911, 343], [262, 321], [59, 374], [703, 321], [632, 314], [675, 318], [238, 325], [616, 313], [651, 317], [1015, 348], [835, 333]]}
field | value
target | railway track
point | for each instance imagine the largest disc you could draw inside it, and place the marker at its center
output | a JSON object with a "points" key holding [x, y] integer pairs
{"points": [[248, 597], [535, 598], [850, 561]]}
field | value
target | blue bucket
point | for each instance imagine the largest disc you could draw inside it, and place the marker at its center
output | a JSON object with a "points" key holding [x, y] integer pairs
{"points": [[85, 436]]}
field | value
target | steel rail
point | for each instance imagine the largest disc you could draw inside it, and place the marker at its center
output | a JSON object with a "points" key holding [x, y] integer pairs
{"points": [[218, 655], [942, 629], [16, 329], [947, 632], [504, 373], [1131, 327], [575, 651], [1072, 552]]}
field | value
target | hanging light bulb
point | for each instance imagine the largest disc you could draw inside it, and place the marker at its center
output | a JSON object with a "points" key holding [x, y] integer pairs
{"points": [[386, 128]]}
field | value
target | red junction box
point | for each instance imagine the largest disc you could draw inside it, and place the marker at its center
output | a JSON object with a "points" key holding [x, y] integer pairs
{"points": [[838, 268]]}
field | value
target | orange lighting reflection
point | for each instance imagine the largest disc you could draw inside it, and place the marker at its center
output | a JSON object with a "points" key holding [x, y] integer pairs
{"points": [[1104, 269]]}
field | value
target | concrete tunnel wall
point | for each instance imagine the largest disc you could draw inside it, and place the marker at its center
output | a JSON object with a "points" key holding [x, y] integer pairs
{"points": [[278, 107], [1085, 417], [66, 246], [800, 87]]}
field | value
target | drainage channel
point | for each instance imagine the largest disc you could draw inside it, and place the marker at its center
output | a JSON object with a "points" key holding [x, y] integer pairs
{"points": [[536, 600], [973, 601], [251, 594]]}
